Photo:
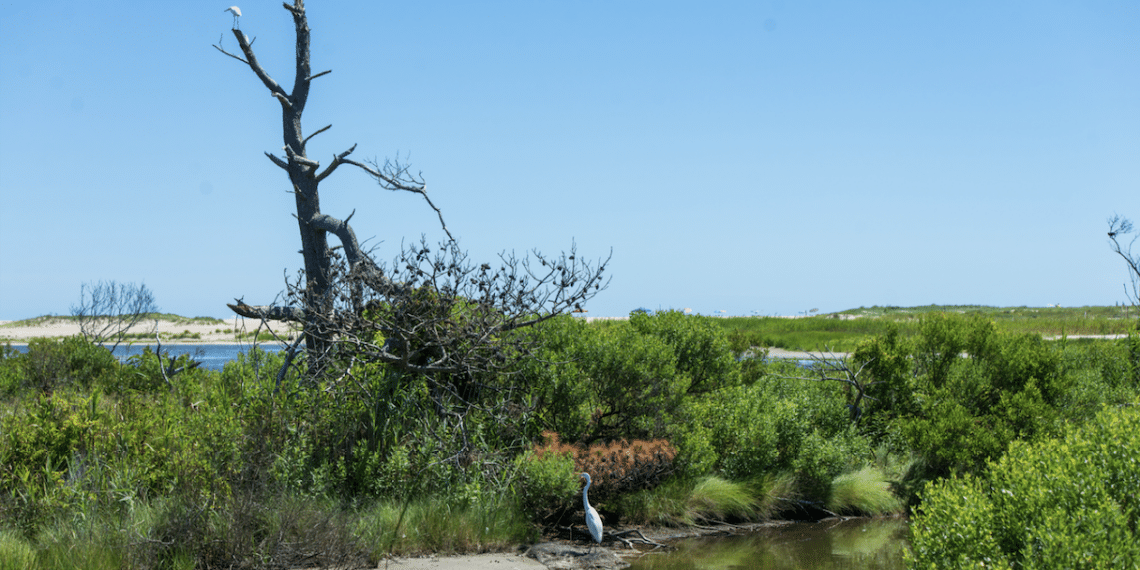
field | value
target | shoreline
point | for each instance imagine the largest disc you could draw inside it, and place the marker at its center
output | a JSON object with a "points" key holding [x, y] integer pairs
{"points": [[208, 333]]}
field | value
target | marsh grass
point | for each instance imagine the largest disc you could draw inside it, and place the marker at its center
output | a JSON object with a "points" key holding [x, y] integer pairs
{"points": [[773, 491], [681, 502], [432, 525], [68, 544], [665, 505], [844, 331], [15, 552], [864, 492], [713, 498]]}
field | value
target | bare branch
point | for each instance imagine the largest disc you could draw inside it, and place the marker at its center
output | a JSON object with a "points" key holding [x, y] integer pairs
{"points": [[337, 160], [430, 311], [107, 310], [394, 176], [326, 72], [251, 60], [284, 165], [298, 11], [1117, 228], [319, 131], [299, 159], [433, 312], [275, 313], [830, 366], [230, 54]]}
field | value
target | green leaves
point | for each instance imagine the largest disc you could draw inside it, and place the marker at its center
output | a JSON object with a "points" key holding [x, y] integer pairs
{"points": [[1069, 502]]}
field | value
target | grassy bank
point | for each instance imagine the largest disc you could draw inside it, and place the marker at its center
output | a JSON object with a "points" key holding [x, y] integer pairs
{"points": [[843, 331]]}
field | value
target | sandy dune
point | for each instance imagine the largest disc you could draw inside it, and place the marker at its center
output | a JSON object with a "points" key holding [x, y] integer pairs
{"points": [[212, 333]]}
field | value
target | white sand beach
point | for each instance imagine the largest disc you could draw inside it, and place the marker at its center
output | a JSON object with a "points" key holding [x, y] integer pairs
{"points": [[212, 333]]}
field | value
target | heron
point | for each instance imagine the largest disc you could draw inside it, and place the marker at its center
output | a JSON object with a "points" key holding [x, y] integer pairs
{"points": [[593, 521], [236, 12]]}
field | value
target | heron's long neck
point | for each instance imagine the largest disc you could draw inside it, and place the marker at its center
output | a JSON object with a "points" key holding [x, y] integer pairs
{"points": [[585, 497]]}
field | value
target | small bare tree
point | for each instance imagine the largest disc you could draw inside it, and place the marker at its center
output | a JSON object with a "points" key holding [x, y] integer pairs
{"points": [[108, 309], [1119, 227], [835, 367], [429, 311]]}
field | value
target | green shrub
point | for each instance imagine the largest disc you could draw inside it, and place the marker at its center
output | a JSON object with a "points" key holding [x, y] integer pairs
{"points": [[149, 372], [966, 391], [11, 371], [774, 424], [701, 348], [820, 460], [51, 363], [604, 383], [740, 430], [1070, 502], [547, 483]]}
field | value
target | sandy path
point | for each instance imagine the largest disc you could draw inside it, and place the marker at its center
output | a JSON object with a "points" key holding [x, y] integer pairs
{"points": [[500, 561]]}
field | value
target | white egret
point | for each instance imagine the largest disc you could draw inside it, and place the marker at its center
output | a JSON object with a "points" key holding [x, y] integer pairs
{"points": [[593, 521], [236, 12]]}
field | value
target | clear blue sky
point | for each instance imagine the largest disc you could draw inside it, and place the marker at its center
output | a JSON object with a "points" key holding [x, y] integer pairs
{"points": [[751, 157]]}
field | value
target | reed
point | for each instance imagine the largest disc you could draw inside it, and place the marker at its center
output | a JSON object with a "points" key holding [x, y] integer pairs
{"points": [[845, 330], [864, 492], [681, 502], [434, 526]]}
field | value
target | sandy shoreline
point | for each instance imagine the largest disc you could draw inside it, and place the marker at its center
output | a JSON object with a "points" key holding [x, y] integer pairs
{"points": [[212, 334], [208, 333]]}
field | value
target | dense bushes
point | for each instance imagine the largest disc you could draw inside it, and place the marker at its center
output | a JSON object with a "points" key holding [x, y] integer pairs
{"points": [[1069, 502], [960, 391], [217, 462]]}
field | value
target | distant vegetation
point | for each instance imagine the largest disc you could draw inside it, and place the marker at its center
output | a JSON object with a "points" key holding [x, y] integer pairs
{"points": [[843, 331], [147, 318]]}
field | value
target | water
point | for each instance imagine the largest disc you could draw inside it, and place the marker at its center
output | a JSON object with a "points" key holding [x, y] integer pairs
{"points": [[857, 544], [212, 356]]}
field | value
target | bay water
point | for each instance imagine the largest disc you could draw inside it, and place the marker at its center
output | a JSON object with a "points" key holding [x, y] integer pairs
{"points": [[854, 544], [212, 356]]}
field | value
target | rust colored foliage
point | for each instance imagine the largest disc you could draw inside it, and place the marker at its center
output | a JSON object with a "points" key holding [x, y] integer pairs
{"points": [[616, 467]]}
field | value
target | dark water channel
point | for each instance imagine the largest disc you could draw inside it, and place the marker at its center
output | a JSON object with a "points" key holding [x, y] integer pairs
{"points": [[857, 544]]}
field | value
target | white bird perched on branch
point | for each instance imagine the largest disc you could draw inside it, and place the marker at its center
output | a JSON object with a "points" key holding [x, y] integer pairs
{"points": [[236, 12], [593, 521]]}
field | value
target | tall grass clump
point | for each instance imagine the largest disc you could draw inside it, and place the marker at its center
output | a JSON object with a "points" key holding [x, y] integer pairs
{"points": [[428, 525], [774, 491], [683, 502], [863, 492], [713, 498], [16, 553]]}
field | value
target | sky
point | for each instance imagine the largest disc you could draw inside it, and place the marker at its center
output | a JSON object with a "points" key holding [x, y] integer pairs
{"points": [[754, 157]]}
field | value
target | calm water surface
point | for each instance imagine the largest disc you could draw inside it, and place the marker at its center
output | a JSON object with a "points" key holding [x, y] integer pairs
{"points": [[859, 544], [212, 356]]}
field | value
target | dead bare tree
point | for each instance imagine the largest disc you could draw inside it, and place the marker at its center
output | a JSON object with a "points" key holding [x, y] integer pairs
{"points": [[1117, 228], [108, 309], [830, 366], [435, 312]]}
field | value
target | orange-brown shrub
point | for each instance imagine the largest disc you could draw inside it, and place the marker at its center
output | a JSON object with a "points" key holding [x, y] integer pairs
{"points": [[616, 467]]}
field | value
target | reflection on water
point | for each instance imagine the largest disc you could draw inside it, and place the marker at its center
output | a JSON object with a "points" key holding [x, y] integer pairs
{"points": [[858, 544]]}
